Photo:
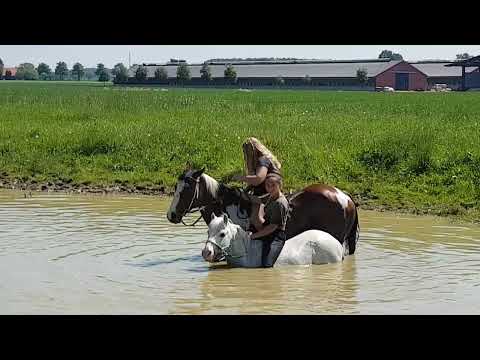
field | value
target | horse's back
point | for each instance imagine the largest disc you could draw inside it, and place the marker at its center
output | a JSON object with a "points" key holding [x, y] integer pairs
{"points": [[311, 247], [319, 207], [326, 249]]}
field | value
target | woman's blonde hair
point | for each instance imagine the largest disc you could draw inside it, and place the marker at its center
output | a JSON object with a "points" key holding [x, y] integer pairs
{"points": [[252, 150]]}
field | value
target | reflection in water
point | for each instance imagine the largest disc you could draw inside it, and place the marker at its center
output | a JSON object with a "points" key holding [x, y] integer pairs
{"points": [[286, 289], [62, 254]]}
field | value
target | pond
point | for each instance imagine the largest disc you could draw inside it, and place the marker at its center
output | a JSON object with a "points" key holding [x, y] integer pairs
{"points": [[111, 254]]}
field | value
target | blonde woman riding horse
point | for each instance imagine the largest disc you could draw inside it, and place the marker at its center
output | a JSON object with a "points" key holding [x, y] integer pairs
{"points": [[259, 162]]}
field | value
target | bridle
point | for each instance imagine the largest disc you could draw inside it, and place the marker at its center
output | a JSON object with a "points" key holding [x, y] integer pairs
{"points": [[225, 251], [194, 197], [196, 194]]}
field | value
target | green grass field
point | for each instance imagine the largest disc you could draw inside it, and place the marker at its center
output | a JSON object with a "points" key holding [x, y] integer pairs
{"points": [[416, 152]]}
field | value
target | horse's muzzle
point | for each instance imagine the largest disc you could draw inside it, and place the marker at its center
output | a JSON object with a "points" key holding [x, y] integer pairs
{"points": [[172, 217], [208, 254]]}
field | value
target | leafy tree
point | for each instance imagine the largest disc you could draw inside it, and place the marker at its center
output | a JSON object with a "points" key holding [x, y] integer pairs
{"points": [[43, 70], [464, 56], [230, 73], [120, 73], [102, 73], [104, 76], [141, 73], [1, 69], [78, 71], [161, 74], [206, 72], [61, 70], [385, 54], [396, 57], [26, 71], [100, 69], [183, 72], [362, 76]]}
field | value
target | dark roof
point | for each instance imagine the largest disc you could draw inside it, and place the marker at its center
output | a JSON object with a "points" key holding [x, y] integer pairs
{"points": [[473, 61], [298, 61], [440, 69], [316, 69]]}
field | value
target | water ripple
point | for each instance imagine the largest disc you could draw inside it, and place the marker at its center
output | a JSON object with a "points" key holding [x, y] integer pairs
{"points": [[108, 254]]}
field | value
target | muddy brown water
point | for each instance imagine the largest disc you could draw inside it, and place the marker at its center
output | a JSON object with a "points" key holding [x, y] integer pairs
{"points": [[91, 254]]}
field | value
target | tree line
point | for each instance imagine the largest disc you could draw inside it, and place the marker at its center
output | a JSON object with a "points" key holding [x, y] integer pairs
{"points": [[28, 71], [183, 73]]}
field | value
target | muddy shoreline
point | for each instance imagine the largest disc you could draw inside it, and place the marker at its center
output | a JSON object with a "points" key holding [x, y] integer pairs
{"points": [[124, 188], [87, 188]]}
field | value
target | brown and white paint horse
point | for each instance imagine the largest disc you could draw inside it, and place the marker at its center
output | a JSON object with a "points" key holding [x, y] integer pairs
{"points": [[317, 207]]}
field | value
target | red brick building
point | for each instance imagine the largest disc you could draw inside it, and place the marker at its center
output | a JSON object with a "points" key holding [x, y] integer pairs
{"points": [[13, 72], [402, 76]]}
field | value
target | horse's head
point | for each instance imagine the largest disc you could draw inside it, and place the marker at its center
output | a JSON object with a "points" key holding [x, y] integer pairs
{"points": [[186, 192], [220, 236]]}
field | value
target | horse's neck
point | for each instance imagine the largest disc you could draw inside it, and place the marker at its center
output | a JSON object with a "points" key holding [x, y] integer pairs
{"points": [[208, 191], [240, 235], [242, 244], [240, 240]]}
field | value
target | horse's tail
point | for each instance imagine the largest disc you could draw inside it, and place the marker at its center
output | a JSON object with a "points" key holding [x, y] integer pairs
{"points": [[353, 235]]}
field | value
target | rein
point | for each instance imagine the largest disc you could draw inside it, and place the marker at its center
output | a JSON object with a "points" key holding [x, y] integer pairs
{"points": [[193, 224]]}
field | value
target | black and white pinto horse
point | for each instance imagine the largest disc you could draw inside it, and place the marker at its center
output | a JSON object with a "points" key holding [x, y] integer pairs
{"points": [[317, 207], [225, 239]]}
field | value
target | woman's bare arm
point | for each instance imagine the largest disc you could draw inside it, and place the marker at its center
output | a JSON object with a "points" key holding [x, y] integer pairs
{"points": [[267, 230], [256, 179]]}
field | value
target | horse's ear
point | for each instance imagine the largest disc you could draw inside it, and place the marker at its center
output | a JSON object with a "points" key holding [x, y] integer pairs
{"points": [[213, 216], [198, 173], [225, 219]]}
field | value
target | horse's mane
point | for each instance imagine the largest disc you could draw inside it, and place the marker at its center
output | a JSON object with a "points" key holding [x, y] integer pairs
{"points": [[234, 195], [226, 194], [212, 185]]}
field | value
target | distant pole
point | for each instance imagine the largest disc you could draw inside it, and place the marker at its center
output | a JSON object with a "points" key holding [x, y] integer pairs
{"points": [[129, 60]]}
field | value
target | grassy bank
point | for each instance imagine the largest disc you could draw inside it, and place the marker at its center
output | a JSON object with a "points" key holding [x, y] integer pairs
{"points": [[417, 152]]}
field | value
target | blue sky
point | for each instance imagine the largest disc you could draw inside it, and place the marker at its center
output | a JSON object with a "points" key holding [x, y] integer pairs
{"points": [[90, 55]]}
